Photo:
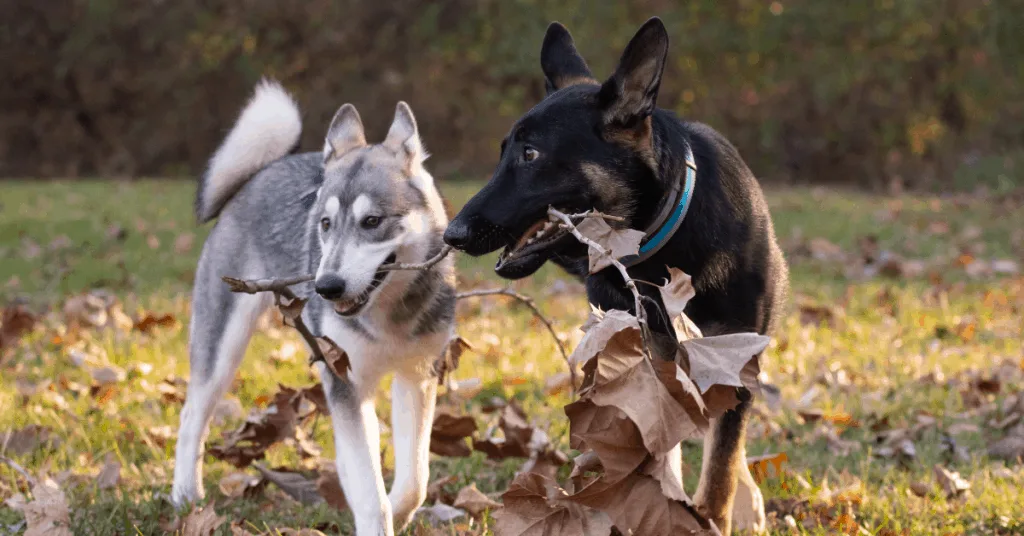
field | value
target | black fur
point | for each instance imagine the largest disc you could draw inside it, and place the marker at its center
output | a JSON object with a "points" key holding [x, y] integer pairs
{"points": [[608, 147]]}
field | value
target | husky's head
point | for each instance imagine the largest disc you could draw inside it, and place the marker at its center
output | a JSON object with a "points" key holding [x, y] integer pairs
{"points": [[587, 145], [375, 204]]}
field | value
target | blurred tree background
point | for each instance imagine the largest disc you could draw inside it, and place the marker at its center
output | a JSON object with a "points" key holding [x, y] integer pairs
{"points": [[876, 93]]}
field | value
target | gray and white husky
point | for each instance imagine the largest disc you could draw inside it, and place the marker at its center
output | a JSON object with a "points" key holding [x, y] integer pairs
{"points": [[342, 214]]}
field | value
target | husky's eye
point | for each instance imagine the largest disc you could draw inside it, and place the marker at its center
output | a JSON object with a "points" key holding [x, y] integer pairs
{"points": [[371, 222], [325, 225], [530, 154]]}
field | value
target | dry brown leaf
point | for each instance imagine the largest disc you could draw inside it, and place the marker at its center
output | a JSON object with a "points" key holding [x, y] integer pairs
{"points": [[148, 322], [1010, 448], [27, 439], [438, 514], [183, 243], [603, 328], [637, 504], [759, 465], [238, 484], [201, 522], [47, 514], [15, 322], [261, 430], [719, 360], [609, 434], [296, 485], [328, 486], [334, 356], [920, 488], [448, 434], [474, 501], [677, 292], [535, 506], [617, 243], [449, 359], [108, 375], [950, 481]]}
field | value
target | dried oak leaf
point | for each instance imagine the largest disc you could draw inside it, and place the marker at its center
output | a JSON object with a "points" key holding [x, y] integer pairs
{"points": [[626, 379], [1009, 448], [609, 434], [201, 522], [334, 356], [15, 322], [474, 501], [599, 329], [758, 465], [448, 361], [27, 439], [328, 486], [110, 474], [239, 484], [637, 504], [617, 243], [448, 434], [676, 292], [521, 439], [438, 514], [47, 513], [536, 506], [296, 485], [260, 430], [720, 364]]}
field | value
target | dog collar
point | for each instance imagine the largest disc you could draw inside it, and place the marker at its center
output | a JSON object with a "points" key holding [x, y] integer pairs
{"points": [[670, 216]]}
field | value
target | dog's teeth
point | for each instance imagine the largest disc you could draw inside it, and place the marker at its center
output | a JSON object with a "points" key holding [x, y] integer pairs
{"points": [[530, 241]]}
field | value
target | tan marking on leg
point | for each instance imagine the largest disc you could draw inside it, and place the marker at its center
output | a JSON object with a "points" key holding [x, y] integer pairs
{"points": [[718, 475]]}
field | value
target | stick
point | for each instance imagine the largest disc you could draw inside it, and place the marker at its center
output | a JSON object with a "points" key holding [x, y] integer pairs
{"points": [[641, 313], [300, 326], [21, 470], [252, 286], [536, 312]]}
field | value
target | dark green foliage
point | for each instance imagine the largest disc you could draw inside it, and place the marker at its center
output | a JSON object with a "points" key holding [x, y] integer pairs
{"points": [[861, 92]]}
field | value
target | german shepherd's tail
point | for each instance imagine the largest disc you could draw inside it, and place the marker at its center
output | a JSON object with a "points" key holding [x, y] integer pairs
{"points": [[268, 129]]}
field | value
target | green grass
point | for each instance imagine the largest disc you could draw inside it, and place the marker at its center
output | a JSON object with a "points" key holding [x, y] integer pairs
{"points": [[58, 239]]}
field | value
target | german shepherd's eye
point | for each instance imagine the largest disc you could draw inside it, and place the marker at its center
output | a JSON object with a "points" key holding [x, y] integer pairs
{"points": [[530, 154], [371, 222], [325, 225]]}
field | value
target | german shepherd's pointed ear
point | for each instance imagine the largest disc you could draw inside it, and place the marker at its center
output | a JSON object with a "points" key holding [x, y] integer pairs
{"points": [[631, 94], [562, 64], [403, 136], [345, 133]]}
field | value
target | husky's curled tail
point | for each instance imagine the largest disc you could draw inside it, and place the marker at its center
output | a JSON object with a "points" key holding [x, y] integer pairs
{"points": [[268, 128]]}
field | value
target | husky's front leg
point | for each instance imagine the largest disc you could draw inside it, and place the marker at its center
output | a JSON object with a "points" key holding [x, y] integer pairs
{"points": [[357, 447], [413, 394]]}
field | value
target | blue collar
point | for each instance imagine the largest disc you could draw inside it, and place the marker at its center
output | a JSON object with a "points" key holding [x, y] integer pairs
{"points": [[670, 216]]}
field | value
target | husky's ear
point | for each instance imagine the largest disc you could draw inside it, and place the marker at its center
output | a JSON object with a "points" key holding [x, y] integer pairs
{"points": [[345, 133], [631, 94], [562, 64], [403, 136]]}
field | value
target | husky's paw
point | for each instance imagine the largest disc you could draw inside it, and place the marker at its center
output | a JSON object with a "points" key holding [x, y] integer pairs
{"points": [[184, 496], [748, 507]]}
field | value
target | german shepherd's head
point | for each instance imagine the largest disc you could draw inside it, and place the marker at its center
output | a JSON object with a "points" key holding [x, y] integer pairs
{"points": [[587, 145]]}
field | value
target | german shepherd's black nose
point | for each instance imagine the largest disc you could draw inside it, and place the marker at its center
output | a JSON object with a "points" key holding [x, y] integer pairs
{"points": [[458, 235], [330, 287], [474, 234]]}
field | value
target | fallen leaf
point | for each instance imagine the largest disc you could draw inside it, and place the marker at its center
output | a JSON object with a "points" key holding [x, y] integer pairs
{"points": [[636, 505], [296, 485], [328, 486], [617, 243], [473, 501], [27, 439], [759, 465], [449, 359], [108, 375], [438, 514], [47, 514], [1009, 448], [261, 430], [183, 243], [15, 322], [448, 434], [950, 481], [602, 328], [920, 488], [676, 292], [238, 484], [557, 383], [535, 506], [201, 522]]}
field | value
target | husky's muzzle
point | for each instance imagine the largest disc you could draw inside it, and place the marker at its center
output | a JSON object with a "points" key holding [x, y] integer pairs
{"points": [[332, 289]]}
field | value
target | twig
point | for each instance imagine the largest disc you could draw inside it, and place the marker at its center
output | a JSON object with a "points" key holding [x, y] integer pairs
{"points": [[252, 286], [300, 326], [641, 313], [528, 301], [425, 265], [593, 214], [21, 470]]}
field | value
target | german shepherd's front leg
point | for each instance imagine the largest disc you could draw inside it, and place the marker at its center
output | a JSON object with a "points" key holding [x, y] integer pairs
{"points": [[724, 458]]}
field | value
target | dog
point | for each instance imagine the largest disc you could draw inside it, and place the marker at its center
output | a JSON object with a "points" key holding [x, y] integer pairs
{"points": [[342, 214], [606, 146]]}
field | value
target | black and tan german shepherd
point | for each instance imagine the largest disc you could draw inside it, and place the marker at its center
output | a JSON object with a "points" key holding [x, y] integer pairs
{"points": [[606, 146]]}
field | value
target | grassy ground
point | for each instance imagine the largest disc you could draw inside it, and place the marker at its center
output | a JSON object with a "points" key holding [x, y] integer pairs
{"points": [[889, 353]]}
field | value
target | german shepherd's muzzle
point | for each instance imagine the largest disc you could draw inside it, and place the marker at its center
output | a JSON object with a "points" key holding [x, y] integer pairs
{"points": [[606, 146]]}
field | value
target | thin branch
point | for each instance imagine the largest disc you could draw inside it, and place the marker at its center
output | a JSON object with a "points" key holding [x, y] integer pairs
{"points": [[17, 467], [252, 286], [593, 214], [425, 265], [641, 313], [528, 301], [299, 325]]}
